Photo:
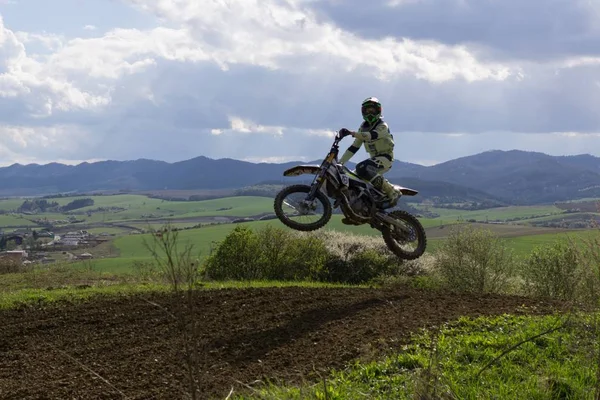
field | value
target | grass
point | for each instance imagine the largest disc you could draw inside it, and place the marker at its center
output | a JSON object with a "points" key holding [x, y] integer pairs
{"points": [[10, 204], [73, 294], [501, 213], [54, 283], [157, 225], [523, 245], [137, 205], [107, 229], [555, 365], [14, 221]]}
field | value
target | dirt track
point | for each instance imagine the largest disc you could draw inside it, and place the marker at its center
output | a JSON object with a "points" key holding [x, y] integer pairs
{"points": [[245, 335]]}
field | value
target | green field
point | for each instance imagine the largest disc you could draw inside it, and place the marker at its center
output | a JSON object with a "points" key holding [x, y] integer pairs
{"points": [[501, 213], [186, 214], [232, 206], [14, 221], [109, 230], [131, 247], [523, 245], [10, 204], [137, 205]]}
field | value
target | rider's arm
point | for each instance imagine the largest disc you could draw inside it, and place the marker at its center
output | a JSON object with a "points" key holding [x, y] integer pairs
{"points": [[352, 149], [380, 131]]}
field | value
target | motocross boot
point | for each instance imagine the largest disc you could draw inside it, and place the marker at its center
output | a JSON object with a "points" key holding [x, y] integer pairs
{"points": [[386, 187]]}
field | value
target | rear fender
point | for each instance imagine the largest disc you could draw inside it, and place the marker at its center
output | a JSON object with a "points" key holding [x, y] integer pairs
{"points": [[405, 191], [302, 170]]}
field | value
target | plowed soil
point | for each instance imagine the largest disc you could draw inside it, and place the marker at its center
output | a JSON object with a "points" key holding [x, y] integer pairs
{"points": [[132, 347]]}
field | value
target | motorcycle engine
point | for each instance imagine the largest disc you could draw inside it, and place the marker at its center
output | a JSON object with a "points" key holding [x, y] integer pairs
{"points": [[358, 205]]}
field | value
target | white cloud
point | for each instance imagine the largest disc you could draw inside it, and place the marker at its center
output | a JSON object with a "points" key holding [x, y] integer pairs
{"points": [[580, 135], [35, 141], [48, 41], [90, 27], [34, 83], [275, 159], [287, 35], [321, 132], [239, 125], [265, 79]]}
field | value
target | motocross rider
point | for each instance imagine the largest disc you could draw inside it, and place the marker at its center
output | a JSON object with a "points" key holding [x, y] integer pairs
{"points": [[379, 143]]}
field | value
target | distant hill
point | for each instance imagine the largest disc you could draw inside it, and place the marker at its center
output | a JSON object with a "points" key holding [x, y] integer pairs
{"points": [[520, 177], [509, 177]]}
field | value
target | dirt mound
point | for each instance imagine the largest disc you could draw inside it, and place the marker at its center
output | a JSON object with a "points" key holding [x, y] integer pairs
{"points": [[130, 348]]}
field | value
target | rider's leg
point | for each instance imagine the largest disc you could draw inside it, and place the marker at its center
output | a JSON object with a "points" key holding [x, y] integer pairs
{"points": [[372, 170], [367, 170], [386, 187]]}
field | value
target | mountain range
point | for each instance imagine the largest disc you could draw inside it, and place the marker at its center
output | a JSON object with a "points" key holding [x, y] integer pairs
{"points": [[510, 177]]}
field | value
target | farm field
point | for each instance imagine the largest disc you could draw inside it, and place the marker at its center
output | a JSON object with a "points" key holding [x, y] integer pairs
{"points": [[131, 248], [10, 204], [291, 333], [14, 221], [139, 209], [500, 213]]}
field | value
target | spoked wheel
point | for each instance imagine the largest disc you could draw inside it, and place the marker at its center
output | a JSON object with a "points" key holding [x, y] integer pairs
{"points": [[294, 211], [408, 245]]}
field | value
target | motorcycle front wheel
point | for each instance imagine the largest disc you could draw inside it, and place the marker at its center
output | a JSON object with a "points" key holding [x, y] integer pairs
{"points": [[301, 210]]}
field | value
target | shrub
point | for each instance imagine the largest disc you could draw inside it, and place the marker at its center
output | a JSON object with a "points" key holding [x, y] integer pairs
{"points": [[473, 260], [277, 254], [272, 254], [8, 266], [552, 271], [359, 258], [589, 256], [236, 257]]}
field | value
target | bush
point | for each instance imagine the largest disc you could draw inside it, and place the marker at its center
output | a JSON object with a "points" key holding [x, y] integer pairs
{"points": [[277, 254], [589, 261], [270, 254], [552, 271], [8, 266], [360, 258], [236, 257], [473, 260]]}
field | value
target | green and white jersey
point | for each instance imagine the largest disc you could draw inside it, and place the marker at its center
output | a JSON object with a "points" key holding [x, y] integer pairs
{"points": [[377, 139]]}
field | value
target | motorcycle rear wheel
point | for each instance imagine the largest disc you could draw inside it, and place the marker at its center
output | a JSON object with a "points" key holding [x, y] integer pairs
{"points": [[389, 236]]}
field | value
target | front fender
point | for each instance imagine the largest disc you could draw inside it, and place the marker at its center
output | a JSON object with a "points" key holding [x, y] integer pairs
{"points": [[301, 170]]}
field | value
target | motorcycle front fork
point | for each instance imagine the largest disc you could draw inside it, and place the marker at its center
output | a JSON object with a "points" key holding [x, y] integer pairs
{"points": [[315, 187]]}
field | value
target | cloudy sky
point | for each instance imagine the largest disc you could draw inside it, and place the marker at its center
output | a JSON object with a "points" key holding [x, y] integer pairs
{"points": [[269, 80]]}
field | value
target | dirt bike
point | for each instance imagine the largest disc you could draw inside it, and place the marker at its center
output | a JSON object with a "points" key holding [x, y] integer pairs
{"points": [[359, 201]]}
